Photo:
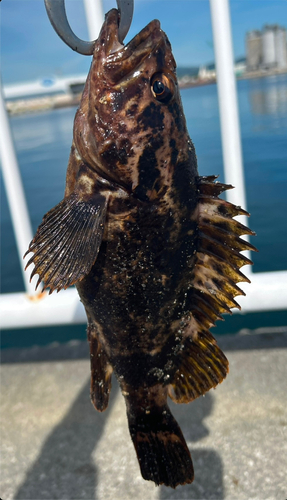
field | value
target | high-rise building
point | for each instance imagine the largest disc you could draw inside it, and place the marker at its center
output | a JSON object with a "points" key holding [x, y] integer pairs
{"points": [[253, 50], [281, 47], [266, 49]]}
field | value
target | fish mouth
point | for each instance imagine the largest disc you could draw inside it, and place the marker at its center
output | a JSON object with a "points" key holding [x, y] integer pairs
{"points": [[121, 60]]}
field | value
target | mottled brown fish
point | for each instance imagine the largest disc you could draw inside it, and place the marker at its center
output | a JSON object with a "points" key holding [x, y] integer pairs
{"points": [[153, 251]]}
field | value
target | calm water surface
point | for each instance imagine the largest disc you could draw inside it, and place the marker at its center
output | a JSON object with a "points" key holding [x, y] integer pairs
{"points": [[43, 143]]}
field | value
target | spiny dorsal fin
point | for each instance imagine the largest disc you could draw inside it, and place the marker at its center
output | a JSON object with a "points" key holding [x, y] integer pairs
{"points": [[201, 364], [220, 242], [67, 241]]}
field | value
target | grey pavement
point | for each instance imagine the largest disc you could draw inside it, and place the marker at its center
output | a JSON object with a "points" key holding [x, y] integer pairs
{"points": [[56, 446]]}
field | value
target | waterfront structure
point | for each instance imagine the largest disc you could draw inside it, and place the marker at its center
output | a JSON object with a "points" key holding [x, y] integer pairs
{"points": [[254, 50], [266, 49], [281, 47], [208, 72], [70, 85]]}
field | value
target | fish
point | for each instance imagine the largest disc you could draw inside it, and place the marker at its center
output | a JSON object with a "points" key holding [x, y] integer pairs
{"points": [[152, 249]]}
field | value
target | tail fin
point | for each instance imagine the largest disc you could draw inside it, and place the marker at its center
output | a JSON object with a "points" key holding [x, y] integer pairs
{"points": [[160, 446]]}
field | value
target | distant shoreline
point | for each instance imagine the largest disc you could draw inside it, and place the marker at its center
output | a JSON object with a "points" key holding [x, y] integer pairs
{"points": [[41, 104], [244, 76]]}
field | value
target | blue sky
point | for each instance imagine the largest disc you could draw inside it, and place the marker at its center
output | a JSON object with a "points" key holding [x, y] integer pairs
{"points": [[30, 49]]}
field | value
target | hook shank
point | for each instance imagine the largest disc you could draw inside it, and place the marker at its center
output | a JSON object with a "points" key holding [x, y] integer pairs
{"points": [[126, 10], [57, 14], [58, 18]]}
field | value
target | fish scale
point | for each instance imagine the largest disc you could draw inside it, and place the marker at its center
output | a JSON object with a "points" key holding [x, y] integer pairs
{"points": [[154, 253]]}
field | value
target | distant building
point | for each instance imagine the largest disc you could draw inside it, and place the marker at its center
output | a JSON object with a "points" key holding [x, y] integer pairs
{"points": [[266, 49], [46, 87], [209, 71], [281, 47], [240, 66], [254, 50]]}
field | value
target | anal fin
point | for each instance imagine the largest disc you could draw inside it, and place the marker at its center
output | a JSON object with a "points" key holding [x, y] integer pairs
{"points": [[67, 241], [201, 367]]}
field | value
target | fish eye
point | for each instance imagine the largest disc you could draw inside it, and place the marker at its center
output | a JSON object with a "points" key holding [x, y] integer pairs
{"points": [[161, 87], [158, 88]]}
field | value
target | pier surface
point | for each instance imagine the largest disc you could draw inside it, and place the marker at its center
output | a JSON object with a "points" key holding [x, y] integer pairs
{"points": [[56, 446]]}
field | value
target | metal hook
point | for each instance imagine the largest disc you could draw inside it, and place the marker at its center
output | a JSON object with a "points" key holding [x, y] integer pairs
{"points": [[58, 18], [126, 10]]}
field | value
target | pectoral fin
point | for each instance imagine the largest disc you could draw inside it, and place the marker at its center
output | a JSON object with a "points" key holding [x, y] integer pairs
{"points": [[67, 241]]}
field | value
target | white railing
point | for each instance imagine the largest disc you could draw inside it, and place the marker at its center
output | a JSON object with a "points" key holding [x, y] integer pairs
{"points": [[267, 291]]}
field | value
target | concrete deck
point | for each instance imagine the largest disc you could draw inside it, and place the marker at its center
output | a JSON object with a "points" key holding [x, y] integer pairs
{"points": [[56, 446]]}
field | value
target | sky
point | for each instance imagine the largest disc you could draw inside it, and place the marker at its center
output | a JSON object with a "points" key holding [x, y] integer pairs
{"points": [[30, 49]]}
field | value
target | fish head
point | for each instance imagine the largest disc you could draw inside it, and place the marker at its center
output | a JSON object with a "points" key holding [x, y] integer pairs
{"points": [[130, 127]]}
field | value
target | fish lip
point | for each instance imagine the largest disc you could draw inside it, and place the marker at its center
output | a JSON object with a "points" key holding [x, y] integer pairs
{"points": [[121, 60], [149, 33], [110, 35]]}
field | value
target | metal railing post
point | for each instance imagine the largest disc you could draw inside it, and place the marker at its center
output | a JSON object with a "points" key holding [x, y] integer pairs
{"points": [[228, 108], [15, 193], [94, 16]]}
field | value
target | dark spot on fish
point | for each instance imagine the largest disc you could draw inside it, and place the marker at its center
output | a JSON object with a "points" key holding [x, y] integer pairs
{"points": [[174, 151], [84, 170], [148, 173], [114, 155], [151, 117], [182, 181], [169, 222], [160, 59], [118, 101], [176, 112], [135, 90], [125, 150], [224, 226], [118, 206], [162, 259], [132, 110], [217, 283], [157, 186], [122, 128], [111, 156], [217, 268], [223, 209]]}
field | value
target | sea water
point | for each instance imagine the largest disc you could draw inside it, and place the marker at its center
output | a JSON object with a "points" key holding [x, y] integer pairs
{"points": [[43, 143]]}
